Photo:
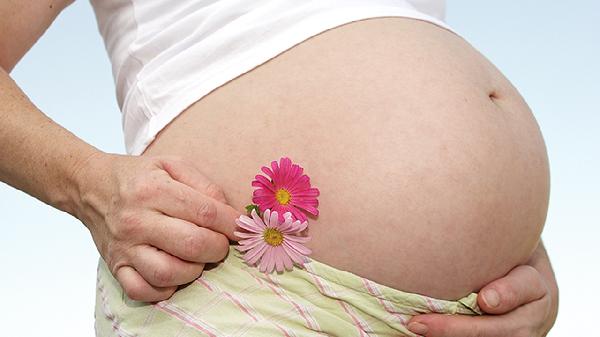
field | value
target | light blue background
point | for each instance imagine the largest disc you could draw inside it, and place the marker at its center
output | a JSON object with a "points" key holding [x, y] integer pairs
{"points": [[550, 50]]}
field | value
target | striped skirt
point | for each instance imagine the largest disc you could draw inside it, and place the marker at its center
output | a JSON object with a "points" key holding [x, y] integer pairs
{"points": [[233, 299]]}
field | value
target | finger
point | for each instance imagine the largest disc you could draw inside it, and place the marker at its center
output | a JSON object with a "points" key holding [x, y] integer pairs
{"points": [[137, 289], [182, 202], [190, 175], [437, 325], [525, 320], [185, 240], [524, 284], [160, 269]]}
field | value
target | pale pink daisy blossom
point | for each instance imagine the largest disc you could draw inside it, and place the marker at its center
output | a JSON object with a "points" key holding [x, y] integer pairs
{"points": [[287, 190], [272, 244]]}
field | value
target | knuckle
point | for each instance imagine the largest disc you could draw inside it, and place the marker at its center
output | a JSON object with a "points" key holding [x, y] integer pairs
{"points": [[142, 189], [215, 191], [206, 213], [113, 257], [180, 196], [130, 225], [193, 245]]}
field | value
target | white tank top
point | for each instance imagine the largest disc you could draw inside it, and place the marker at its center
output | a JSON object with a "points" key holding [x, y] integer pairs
{"points": [[166, 55]]}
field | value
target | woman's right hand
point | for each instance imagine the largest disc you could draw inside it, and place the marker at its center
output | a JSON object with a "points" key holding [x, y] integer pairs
{"points": [[155, 220]]}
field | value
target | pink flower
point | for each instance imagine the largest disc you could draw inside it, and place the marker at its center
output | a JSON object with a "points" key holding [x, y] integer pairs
{"points": [[288, 190], [272, 243]]}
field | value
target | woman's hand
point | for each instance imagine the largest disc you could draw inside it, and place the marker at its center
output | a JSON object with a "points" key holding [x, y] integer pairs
{"points": [[524, 303], [155, 220]]}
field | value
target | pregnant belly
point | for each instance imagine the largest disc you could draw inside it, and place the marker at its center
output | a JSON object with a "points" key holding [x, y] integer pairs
{"points": [[433, 173]]}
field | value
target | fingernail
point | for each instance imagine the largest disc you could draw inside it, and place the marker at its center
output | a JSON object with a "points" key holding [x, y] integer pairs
{"points": [[418, 328], [491, 298]]}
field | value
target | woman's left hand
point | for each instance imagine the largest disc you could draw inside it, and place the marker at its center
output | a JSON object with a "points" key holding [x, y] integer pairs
{"points": [[524, 303]]}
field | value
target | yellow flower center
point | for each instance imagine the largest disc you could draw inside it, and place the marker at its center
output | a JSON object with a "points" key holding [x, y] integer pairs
{"points": [[273, 236], [283, 196]]}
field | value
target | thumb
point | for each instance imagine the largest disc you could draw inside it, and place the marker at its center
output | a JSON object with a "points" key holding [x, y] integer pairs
{"points": [[522, 285]]}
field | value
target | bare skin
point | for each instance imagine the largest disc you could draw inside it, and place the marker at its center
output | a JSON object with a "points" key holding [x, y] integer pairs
{"points": [[106, 192], [156, 221], [437, 154]]}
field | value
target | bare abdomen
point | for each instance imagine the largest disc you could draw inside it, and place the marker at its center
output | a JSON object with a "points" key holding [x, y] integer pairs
{"points": [[432, 170]]}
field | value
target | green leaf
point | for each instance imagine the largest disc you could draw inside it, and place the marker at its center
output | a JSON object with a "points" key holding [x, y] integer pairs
{"points": [[250, 207]]}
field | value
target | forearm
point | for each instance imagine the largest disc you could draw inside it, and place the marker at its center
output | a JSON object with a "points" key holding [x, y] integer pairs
{"points": [[39, 157]]}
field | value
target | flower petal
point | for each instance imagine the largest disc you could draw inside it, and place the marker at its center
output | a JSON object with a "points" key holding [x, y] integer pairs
{"points": [[245, 235], [287, 226], [298, 239], [267, 217], [264, 204], [288, 264], [264, 260], [257, 219], [298, 215], [293, 254], [275, 168], [297, 247], [273, 220], [255, 254], [260, 179], [310, 209], [308, 192], [250, 243], [267, 171], [248, 224], [279, 254], [269, 260]]}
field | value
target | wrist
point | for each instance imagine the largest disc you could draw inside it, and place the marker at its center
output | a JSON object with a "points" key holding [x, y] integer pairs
{"points": [[88, 180]]}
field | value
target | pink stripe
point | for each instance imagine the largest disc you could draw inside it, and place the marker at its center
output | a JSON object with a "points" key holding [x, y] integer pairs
{"points": [[234, 299], [373, 290], [316, 327], [285, 332], [432, 306], [240, 305], [321, 286], [116, 326], [354, 319], [312, 323], [192, 322], [205, 284]]}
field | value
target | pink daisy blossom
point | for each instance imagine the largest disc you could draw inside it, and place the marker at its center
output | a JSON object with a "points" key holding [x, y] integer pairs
{"points": [[270, 243], [287, 190]]}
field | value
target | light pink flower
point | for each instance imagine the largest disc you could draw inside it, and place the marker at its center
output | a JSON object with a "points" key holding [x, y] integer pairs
{"points": [[270, 243], [287, 190]]}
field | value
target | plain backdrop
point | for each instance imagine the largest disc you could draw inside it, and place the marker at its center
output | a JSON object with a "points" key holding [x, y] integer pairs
{"points": [[550, 50]]}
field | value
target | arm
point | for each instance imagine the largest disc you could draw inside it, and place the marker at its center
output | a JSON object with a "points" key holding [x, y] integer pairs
{"points": [[22, 24], [38, 155], [526, 305], [155, 220]]}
